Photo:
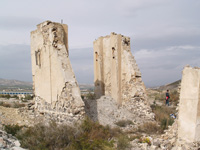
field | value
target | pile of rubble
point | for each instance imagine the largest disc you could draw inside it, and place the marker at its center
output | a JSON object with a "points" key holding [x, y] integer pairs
{"points": [[108, 112], [9, 142]]}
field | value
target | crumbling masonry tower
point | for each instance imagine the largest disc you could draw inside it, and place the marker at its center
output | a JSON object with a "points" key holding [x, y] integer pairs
{"points": [[57, 94], [116, 73]]}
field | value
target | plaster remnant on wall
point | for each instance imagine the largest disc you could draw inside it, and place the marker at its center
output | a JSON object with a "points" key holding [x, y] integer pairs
{"points": [[57, 94]]}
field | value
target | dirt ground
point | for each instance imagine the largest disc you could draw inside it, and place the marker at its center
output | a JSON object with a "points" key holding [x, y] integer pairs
{"points": [[12, 116]]}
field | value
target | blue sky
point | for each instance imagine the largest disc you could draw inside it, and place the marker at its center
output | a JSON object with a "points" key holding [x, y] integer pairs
{"points": [[165, 34]]}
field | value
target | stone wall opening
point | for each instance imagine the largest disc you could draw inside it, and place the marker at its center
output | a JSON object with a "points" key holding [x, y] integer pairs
{"points": [[38, 58]]}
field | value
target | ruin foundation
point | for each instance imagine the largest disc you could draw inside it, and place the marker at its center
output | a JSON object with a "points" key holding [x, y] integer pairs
{"points": [[57, 94], [189, 108], [116, 73]]}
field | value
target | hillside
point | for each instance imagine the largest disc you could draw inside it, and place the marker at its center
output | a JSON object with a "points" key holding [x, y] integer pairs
{"points": [[12, 84], [89, 87], [170, 86], [5, 83]]}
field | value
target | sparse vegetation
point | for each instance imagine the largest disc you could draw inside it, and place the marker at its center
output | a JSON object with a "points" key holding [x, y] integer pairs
{"points": [[12, 129], [123, 143], [90, 96], [15, 96], [150, 128], [145, 140], [86, 136], [28, 97], [12, 105], [162, 115], [7, 96], [124, 123], [174, 97], [5, 104], [160, 96], [18, 105]]}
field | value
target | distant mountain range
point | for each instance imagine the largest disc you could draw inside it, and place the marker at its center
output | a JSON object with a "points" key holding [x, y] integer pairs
{"points": [[9, 84], [170, 86], [89, 87], [5, 83]]}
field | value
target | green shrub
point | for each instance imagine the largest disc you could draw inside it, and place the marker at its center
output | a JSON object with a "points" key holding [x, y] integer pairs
{"points": [[7, 96], [145, 140], [82, 96], [90, 96], [93, 136], [165, 122], [43, 137], [124, 123], [123, 142], [15, 96], [28, 97], [12, 129]]}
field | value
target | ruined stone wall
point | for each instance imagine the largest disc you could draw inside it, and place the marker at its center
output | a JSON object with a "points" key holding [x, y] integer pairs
{"points": [[55, 87], [189, 107], [116, 73]]}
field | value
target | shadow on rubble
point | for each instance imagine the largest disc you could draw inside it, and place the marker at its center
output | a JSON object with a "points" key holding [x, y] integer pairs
{"points": [[91, 107]]}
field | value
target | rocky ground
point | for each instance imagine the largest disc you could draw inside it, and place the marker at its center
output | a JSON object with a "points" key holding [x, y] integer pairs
{"points": [[107, 112], [8, 142], [10, 115]]}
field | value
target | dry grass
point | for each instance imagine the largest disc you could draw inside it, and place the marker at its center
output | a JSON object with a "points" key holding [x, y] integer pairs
{"points": [[12, 129], [5, 104], [12, 105], [162, 115], [88, 135], [124, 123], [150, 128]]}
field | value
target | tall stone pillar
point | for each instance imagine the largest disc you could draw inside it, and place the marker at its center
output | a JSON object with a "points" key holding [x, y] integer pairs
{"points": [[189, 107], [55, 87], [115, 70]]}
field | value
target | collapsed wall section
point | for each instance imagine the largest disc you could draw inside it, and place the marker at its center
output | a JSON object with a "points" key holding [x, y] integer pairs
{"points": [[189, 107], [116, 73], [55, 87]]}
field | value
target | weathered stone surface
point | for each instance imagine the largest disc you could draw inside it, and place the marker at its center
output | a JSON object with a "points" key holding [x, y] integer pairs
{"points": [[189, 108], [115, 70], [106, 111], [117, 77], [9, 142], [55, 87]]}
